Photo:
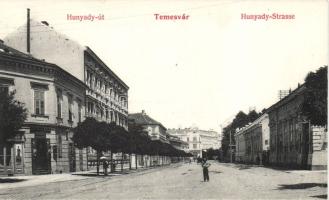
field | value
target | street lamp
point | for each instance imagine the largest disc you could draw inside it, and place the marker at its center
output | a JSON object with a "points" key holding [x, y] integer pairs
{"points": [[231, 145]]}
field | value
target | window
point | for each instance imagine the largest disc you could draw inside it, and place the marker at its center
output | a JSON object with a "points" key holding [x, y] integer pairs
{"points": [[4, 89], [70, 101], [105, 89], [106, 114], [187, 139], [111, 115], [88, 78], [5, 83], [195, 146], [59, 105], [39, 102], [194, 139], [96, 83], [90, 108], [266, 142]]}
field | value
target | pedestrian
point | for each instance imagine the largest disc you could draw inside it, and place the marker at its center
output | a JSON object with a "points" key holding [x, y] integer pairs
{"points": [[205, 165], [105, 166]]}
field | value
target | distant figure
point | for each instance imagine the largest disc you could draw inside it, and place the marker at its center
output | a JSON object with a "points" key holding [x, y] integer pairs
{"points": [[205, 166], [105, 166], [257, 160]]}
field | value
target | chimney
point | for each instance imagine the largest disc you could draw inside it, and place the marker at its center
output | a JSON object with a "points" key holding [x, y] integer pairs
{"points": [[28, 31]]}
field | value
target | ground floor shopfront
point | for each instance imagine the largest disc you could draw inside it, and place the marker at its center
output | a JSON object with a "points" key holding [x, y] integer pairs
{"points": [[42, 149]]}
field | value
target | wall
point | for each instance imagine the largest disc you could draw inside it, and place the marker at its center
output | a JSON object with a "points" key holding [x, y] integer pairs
{"points": [[320, 145], [48, 44], [47, 124]]}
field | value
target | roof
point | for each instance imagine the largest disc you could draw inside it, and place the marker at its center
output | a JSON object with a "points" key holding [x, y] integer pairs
{"points": [[11, 51], [144, 119], [18, 55], [300, 89], [44, 26], [94, 55], [173, 138], [253, 124]]}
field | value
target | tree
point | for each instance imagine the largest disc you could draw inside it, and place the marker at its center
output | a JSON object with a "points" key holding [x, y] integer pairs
{"points": [[241, 119], [253, 115], [314, 106], [138, 138], [12, 116], [94, 134]]}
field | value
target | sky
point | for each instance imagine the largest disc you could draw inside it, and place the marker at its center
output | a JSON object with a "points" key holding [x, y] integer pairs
{"points": [[196, 72]]}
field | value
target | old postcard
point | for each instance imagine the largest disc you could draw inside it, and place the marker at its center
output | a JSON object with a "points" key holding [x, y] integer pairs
{"points": [[189, 99]]}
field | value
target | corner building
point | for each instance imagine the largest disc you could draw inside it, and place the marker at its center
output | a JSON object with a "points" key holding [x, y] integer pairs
{"points": [[55, 103]]}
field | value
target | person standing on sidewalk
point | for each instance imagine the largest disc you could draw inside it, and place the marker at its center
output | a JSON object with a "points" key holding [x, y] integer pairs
{"points": [[205, 166]]}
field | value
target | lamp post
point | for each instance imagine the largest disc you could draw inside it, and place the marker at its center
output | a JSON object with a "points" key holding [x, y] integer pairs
{"points": [[231, 145]]}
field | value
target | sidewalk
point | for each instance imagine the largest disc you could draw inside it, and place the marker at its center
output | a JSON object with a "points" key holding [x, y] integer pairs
{"points": [[33, 180]]}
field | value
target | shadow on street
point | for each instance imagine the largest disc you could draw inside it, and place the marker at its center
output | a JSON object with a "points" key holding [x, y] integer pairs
{"points": [[301, 186], [11, 180], [323, 196], [216, 172]]}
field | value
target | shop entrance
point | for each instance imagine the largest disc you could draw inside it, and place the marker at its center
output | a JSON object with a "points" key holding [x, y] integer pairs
{"points": [[5, 160], [72, 157], [41, 155]]}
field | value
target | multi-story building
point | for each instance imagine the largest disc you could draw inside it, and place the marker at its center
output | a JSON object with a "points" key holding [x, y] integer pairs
{"points": [[178, 143], [294, 141], [252, 141], [55, 103], [106, 94], [154, 128], [198, 140]]}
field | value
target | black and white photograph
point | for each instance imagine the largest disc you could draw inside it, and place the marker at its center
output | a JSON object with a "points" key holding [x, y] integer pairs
{"points": [[166, 99]]}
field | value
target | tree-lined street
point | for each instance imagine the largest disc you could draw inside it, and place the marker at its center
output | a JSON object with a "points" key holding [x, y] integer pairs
{"points": [[179, 181]]}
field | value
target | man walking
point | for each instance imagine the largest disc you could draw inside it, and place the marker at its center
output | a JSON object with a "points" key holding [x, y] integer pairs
{"points": [[205, 166]]}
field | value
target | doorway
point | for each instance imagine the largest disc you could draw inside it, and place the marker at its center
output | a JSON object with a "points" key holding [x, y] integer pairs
{"points": [[41, 155], [72, 157]]}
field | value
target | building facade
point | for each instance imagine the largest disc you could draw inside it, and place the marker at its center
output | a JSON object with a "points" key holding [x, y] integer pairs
{"points": [[294, 141], [178, 143], [106, 94], [154, 128], [198, 140], [252, 142], [55, 103]]}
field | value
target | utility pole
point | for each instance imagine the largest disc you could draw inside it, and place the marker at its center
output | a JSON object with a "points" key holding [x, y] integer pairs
{"points": [[28, 32], [231, 145]]}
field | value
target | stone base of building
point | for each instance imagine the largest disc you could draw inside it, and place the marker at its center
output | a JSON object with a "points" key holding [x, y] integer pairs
{"points": [[41, 150]]}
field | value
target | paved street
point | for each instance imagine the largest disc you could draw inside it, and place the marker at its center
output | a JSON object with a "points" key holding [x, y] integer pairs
{"points": [[180, 181]]}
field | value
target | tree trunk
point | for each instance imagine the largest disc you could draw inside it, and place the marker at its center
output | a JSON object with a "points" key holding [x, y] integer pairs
{"points": [[136, 160], [121, 161], [112, 163], [97, 157], [129, 161]]}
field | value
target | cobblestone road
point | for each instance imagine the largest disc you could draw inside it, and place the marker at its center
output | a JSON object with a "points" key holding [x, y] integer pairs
{"points": [[227, 181]]}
